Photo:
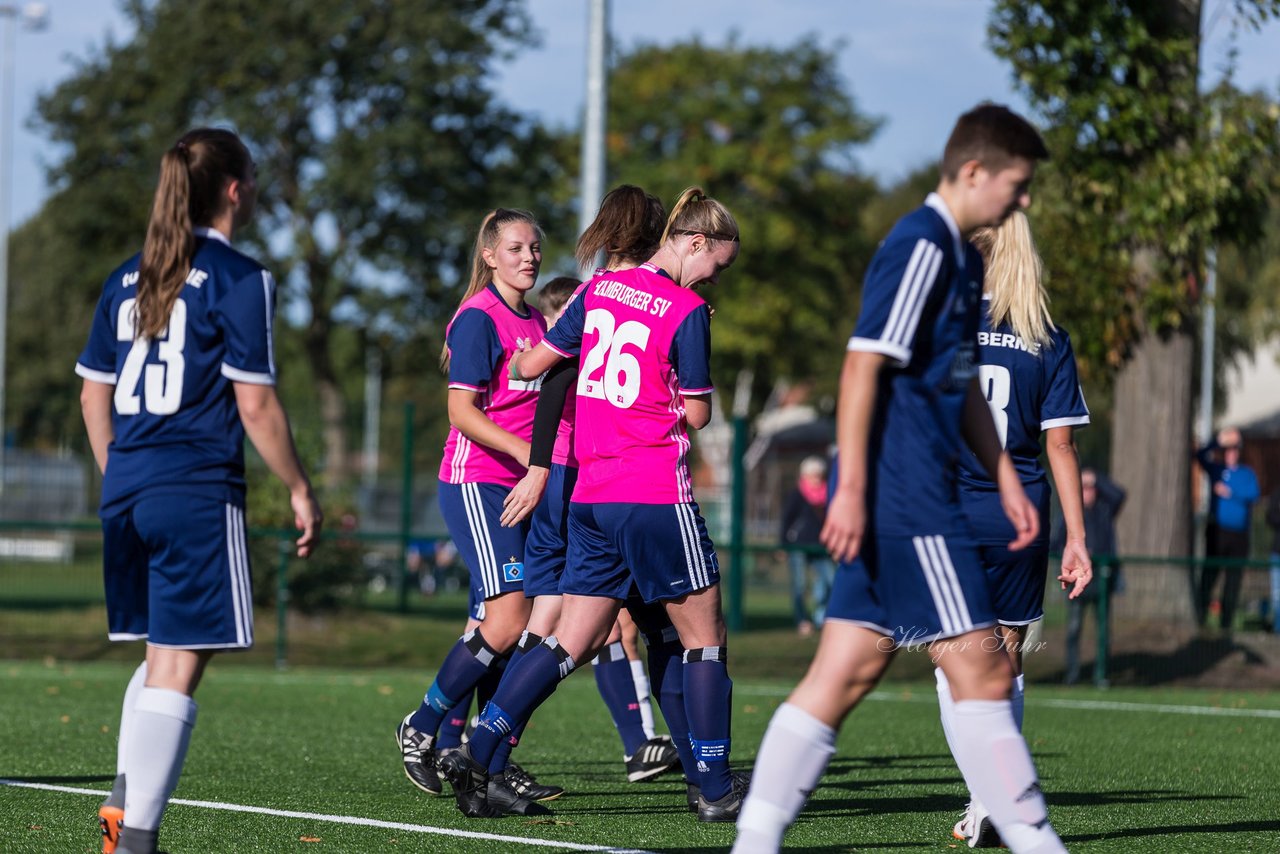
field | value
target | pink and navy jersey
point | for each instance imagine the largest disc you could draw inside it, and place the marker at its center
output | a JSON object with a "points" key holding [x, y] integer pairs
{"points": [[174, 417], [563, 454], [645, 343], [920, 308], [482, 338], [1029, 391]]}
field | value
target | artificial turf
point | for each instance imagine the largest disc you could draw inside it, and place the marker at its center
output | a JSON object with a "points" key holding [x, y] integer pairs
{"points": [[1124, 770]]}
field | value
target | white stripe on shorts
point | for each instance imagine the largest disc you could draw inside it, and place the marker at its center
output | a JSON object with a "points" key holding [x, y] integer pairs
{"points": [[238, 569], [694, 558], [944, 586], [474, 504]]}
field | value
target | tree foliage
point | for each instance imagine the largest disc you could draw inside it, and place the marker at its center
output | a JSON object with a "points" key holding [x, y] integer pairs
{"points": [[1146, 171], [379, 144], [771, 133]]}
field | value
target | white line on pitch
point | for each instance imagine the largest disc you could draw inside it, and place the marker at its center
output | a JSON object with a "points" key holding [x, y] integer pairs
{"points": [[896, 696], [347, 819]]}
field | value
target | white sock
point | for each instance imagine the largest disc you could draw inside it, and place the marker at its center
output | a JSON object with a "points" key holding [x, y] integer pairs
{"points": [[947, 713], [136, 682], [795, 751], [643, 694], [155, 762], [997, 766], [1017, 700]]}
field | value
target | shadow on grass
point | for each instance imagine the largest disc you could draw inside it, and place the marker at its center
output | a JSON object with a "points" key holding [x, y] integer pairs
{"points": [[56, 779], [1193, 659], [1140, 832]]}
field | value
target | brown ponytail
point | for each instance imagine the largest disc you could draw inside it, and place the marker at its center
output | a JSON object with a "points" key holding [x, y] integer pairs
{"points": [[627, 229], [193, 175]]}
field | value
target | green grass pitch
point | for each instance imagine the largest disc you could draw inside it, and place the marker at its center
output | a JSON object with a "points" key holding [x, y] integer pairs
{"points": [[311, 753]]}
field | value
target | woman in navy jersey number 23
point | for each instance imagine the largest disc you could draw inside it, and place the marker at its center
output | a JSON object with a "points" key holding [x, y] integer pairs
{"points": [[178, 369]]}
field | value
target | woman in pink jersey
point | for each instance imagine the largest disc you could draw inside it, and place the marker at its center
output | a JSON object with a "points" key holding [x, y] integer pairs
{"points": [[487, 452], [644, 337]]}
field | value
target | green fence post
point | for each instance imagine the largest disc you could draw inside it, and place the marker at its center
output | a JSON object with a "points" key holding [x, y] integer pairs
{"points": [[1104, 623], [737, 525], [406, 508], [282, 602]]}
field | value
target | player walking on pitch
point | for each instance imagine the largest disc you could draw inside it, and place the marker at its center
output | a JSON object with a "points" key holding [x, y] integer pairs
{"points": [[909, 572], [178, 369], [1028, 376]]}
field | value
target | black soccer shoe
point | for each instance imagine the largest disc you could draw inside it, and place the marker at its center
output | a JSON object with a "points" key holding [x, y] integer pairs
{"points": [[418, 757], [470, 781], [525, 784], [727, 808], [503, 796], [655, 757]]}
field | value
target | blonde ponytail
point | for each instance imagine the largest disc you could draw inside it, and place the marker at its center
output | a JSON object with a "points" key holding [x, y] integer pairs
{"points": [[1013, 279]]}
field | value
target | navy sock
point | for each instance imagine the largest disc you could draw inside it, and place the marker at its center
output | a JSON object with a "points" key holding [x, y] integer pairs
{"points": [[502, 754], [454, 723], [469, 659], [618, 690], [708, 700], [528, 683], [666, 674]]}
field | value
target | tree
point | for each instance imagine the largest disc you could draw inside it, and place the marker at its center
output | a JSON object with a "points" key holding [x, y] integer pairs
{"points": [[1143, 179], [771, 133], [379, 145]]}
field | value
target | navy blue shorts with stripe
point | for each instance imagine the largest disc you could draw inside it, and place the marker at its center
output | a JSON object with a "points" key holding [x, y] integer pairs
{"points": [[177, 573], [666, 547], [494, 555], [913, 589], [548, 545], [1017, 579]]}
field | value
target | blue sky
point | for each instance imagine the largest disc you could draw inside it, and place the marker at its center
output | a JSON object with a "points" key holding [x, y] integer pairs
{"points": [[914, 63]]}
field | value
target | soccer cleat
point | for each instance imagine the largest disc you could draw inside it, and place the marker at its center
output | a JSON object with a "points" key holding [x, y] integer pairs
{"points": [[525, 784], [655, 757], [975, 828], [728, 807], [470, 781], [692, 791], [419, 758], [502, 795], [110, 820]]}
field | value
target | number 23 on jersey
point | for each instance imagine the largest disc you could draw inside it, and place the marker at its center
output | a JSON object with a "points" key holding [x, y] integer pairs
{"points": [[158, 387]]}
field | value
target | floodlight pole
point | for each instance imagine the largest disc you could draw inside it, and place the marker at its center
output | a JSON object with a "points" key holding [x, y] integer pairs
{"points": [[593, 121], [33, 16]]}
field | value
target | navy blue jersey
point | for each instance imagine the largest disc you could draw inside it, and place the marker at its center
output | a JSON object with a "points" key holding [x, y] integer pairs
{"points": [[174, 412], [1028, 392], [920, 307]]}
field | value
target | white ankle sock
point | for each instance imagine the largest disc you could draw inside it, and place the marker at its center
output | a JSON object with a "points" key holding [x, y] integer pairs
{"points": [[792, 757], [997, 766], [136, 683], [154, 763], [643, 693]]}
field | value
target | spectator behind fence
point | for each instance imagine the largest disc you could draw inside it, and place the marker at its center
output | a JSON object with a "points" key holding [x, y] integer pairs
{"points": [[803, 513], [1102, 501], [1273, 522], [1235, 488]]}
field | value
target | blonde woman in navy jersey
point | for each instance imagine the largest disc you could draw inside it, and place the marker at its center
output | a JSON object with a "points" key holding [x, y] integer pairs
{"points": [[179, 368], [1028, 375]]}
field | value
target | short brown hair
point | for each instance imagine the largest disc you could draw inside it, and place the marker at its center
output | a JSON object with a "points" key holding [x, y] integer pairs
{"points": [[556, 293], [993, 135]]}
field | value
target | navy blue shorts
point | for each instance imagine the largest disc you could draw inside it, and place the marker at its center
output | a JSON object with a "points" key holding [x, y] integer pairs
{"points": [[1016, 579], [913, 589], [177, 573], [494, 555], [548, 544], [666, 547]]}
